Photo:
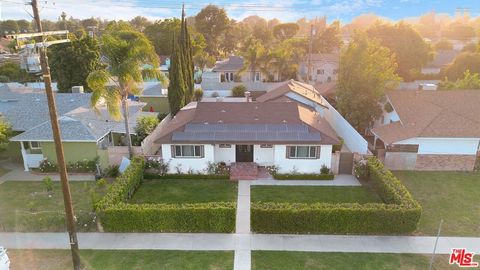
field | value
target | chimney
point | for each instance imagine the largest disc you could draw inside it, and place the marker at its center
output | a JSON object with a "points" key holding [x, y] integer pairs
{"points": [[247, 96], [77, 89]]}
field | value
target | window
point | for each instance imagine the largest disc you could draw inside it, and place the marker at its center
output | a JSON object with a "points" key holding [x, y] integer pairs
{"points": [[225, 146], [257, 76], [320, 71], [266, 146], [303, 152], [34, 145], [187, 151]]}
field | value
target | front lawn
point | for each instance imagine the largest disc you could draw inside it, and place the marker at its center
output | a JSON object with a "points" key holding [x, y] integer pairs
{"points": [[122, 259], [185, 191], [451, 196], [312, 194], [283, 260], [3, 171], [26, 206]]}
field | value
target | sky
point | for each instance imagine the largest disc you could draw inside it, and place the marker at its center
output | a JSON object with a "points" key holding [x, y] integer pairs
{"points": [[284, 10]]}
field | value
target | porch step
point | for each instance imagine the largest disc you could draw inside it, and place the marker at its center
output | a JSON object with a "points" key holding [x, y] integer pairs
{"points": [[243, 171]]}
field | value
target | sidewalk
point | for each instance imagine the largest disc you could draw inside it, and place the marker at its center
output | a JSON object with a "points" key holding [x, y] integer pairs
{"points": [[241, 242], [17, 173], [340, 180]]}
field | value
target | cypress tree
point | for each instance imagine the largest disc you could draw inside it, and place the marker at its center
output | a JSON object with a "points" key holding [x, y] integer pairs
{"points": [[187, 59], [176, 88]]}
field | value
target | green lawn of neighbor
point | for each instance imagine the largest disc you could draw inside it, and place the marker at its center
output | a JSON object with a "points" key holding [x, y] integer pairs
{"points": [[312, 194], [26, 206], [3, 171], [284, 260], [451, 196], [122, 259], [185, 191]]}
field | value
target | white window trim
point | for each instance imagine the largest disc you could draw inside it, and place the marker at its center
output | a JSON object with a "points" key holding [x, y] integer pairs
{"points": [[224, 145], [316, 156], [35, 148], [174, 151]]}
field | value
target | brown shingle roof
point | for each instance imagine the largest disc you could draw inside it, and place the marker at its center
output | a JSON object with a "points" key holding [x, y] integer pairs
{"points": [[303, 89], [454, 114]]}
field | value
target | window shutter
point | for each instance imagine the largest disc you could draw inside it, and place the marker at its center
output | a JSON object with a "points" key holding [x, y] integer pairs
{"points": [[317, 152], [287, 152], [172, 147], [202, 151]]}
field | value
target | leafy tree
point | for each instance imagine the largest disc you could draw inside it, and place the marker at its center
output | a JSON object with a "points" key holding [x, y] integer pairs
{"points": [[411, 51], [11, 72], [126, 50], [366, 70], [145, 126], [203, 59], [212, 22], [470, 47], [161, 33], [9, 26], [239, 90], [463, 62], [256, 58], [140, 23], [328, 40], [72, 62], [5, 134], [459, 31], [285, 30], [198, 94], [469, 81], [283, 63], [24, 26], [443, 45]]}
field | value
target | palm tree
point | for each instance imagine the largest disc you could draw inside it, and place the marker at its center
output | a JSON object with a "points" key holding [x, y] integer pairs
{"points": [[283, 64], [255, 58], [126, 50]]}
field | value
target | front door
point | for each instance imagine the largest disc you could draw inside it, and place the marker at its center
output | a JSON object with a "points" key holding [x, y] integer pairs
{"points": [[244, 153]]}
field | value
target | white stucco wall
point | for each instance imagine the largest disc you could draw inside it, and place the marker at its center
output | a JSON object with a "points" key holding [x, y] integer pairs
{"points": [[196, 164], [302, 165], [445, 146], [263, 156], [353, 140], [226, 155], [328, 69]]}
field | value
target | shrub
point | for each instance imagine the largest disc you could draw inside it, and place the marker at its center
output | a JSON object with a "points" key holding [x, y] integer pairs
{"points": [[215, 94], [239, 90], [48, 183], [101, 183], [145, 126], [161, 116], [157, 166], [273, 169], [324, 170], [217, 168], [201, 217], [112, 171], [399, 214], [198, 93], [186, 176], [83, 166], [328, 176], [338, 147], [47, 166]]}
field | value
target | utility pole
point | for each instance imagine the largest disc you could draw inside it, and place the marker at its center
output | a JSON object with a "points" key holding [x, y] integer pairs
{"points": [[309, 59], [67, 198]]}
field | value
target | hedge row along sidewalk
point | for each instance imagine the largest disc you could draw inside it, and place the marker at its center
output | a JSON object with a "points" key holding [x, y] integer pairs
{"points": [[116, 215], [398, 214]]}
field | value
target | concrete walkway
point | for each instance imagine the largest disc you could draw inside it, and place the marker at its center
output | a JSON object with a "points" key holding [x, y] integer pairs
{"points": [[339, 180], [241, 243], [17, 173]]}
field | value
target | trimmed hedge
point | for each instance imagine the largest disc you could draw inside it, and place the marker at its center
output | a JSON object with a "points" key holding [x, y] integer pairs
{"points": [[201, 217], [399, 214], [329, 176], [186, 176], [117, 215]]}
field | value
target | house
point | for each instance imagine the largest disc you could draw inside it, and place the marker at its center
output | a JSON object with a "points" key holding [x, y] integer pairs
{"points": [[430, 130], [155, 95], [324, 67], [441, 60], [85, 133], [235, 132], [291, 127], [226, 75]]}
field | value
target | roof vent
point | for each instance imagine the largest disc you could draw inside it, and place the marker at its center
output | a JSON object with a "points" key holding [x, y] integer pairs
{"points": [[206, 123], [220, 121], [223, 111], [256, 118], [284, 121]]}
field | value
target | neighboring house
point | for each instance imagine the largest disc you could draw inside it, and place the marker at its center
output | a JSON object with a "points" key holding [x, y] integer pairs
{"points": [[226, 75], [324, 68], [441, 60], [419, 85], [85, 133], [250, 132], [430, 130], [155, 95], [291, 127]]}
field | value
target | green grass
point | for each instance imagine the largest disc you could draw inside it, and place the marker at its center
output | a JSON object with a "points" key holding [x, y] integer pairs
{"points": [[122, 259], [26, 206], [312, 194], [3, 171], [281, 260], [185, 191], [451, 196]]}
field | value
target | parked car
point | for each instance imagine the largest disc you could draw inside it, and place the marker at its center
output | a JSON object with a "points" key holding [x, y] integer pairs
{"points": [[4, 261]]}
